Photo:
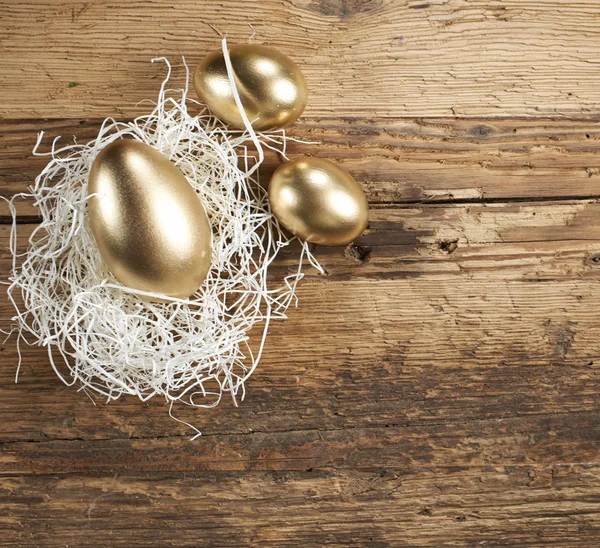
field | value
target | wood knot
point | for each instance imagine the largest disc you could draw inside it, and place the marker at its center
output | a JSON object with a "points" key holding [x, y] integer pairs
{"points": [[482, 130], [344, 8], [594, 259], [357, 253], [462, 517], [449, 246]]}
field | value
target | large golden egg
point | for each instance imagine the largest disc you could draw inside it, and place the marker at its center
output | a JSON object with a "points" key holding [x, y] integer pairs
{"points": [[270, 85], [148, 221], [318, 201]]}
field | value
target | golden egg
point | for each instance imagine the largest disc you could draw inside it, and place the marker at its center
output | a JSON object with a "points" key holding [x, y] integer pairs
{"points": [[318, 201], [148, 221], [270, 85]]}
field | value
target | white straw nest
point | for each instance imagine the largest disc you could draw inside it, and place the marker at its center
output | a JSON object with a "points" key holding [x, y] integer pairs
{"points": [[100, 334]]}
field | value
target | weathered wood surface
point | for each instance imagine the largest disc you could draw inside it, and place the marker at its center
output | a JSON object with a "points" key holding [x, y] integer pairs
{"points": [[456, 345], [439, 386], [399, 161], [361, 57], [482, 506]]}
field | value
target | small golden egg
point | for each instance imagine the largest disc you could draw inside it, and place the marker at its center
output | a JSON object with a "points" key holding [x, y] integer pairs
{"points": [[270, 85], [318, 201], [148, 221]]}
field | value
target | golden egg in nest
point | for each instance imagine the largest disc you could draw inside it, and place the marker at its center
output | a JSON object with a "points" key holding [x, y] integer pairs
{"points": [[148, 221], [270, 85], [318, 201]]}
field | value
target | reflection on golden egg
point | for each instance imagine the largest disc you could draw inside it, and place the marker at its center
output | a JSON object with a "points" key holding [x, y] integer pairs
{"points": [[148, 221], [318, 201], [270, 85]]}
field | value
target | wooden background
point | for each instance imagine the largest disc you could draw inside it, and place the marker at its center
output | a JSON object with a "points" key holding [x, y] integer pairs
{"points": [[439, 387]]}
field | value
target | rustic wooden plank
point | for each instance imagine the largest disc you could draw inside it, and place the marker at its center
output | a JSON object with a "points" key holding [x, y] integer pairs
{"points": [[507, 241], [525, 505], [399, 161], [368, 353], [550, 439], [336, 396], [374, 58]]}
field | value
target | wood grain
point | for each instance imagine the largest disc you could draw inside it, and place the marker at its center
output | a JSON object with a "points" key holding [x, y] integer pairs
{"points": [[455, 344], [367, 58], [490, 506], [456, 339], [400, 161], [438, 386]]}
